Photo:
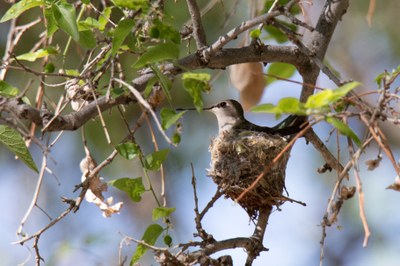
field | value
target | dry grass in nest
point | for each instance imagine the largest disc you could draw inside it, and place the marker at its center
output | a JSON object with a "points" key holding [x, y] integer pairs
{"points": [[237, 159]]}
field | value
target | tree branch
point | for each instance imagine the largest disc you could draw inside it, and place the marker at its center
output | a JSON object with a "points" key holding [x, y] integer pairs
{"points": [[198, 31], [221, 59]]}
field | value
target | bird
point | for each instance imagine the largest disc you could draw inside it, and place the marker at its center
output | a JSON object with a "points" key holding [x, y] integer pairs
{"points": [[230, 116], [241, 151]]}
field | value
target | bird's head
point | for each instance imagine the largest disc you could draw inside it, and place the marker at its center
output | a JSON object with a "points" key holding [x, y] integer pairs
{"points": [[229, 113]]}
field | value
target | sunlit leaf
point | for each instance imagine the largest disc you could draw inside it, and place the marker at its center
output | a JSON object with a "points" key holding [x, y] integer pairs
{"points": [[15, 143], [133, 187], [31, 57], [288, 105], [343, 90], [7, 90], [326, 97], [104, 17], [265, 108], [150, 237], [320, 99], [18, 8], [255, 34], [161, 212], [195, 84], [133, 4]]}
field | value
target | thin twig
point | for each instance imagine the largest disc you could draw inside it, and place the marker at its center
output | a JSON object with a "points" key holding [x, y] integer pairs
{"points": [[146, 105], [35, 195], [162, 172], [361, 205]]}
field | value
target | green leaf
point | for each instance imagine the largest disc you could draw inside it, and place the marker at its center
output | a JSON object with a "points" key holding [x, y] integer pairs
{"points": [[87, 39], [128, 150], [282, 70], [158, 53], [49, 68], [14, 142], [161, 212], [165, 83], [65, 16], [104, 17], [195, 84], [122, 30], [88, 24], [255, 34], [150, 237], [167, 240], [326, 97], [265, 108], [7, 90], [288, 105], [20, 7], [133, 4], [319, 100], [343, 90], [162, 30], [154, 160], [276, 34], [176, 138], [133, 187], [169, 117], [380, 77], [344, 129], [51, 23], [31, 57], [72, 72]]}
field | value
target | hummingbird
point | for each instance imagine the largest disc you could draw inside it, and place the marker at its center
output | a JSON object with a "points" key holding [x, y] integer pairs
{"points": [[230, 116], [241, 151]]}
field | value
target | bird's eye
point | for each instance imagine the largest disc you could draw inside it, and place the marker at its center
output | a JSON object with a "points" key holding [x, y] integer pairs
{"points": [[223, 104]]}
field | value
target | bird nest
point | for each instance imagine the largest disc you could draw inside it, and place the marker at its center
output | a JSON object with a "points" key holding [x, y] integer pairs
{"points": [[239, 157]]}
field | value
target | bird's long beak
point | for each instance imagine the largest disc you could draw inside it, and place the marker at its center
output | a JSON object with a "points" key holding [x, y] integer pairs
{"points": [[194, 109], [185, 109], [208, 108]]}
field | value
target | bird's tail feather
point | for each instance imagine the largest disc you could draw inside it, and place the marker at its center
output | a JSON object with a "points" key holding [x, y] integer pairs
{"points": [[291, 125]]}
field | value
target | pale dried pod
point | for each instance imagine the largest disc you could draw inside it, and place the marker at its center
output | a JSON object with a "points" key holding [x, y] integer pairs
{"points": [[248, 79], [94, 194], [79, 95]]}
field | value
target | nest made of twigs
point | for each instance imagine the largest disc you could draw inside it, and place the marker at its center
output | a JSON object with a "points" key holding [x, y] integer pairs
{"points": [[239, 157]]}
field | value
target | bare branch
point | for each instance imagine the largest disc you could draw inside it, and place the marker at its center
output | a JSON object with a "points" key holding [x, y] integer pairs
{"points": [[198, 31]]}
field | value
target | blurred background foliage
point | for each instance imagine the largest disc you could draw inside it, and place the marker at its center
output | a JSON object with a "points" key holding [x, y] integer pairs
{"points": [[357, 52]]}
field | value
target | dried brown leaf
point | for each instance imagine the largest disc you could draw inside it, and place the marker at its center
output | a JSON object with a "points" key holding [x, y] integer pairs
{"points": [[249, 80]]}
